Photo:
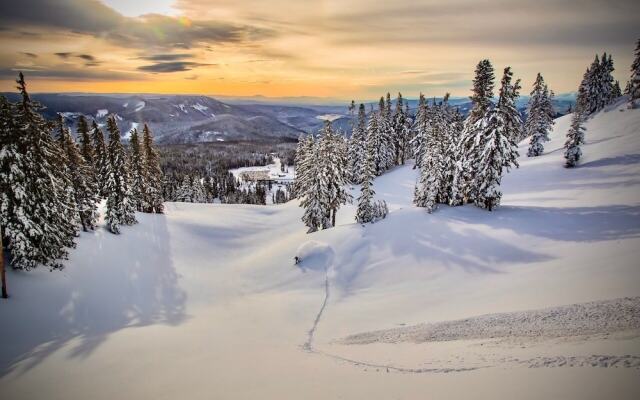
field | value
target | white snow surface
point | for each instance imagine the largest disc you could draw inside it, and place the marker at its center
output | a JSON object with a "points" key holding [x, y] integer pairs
{"points": [[328, 117], [200, 107], [134, 125], [140, 105], [102, 113], [205, 301]]}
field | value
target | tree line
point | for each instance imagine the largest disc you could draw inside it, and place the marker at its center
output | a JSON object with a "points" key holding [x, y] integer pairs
{"points": [[51, 185], [461, 160]]}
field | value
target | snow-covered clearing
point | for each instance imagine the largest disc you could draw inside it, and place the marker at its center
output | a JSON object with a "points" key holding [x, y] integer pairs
{"points": [[206, 302], [328, 117]]}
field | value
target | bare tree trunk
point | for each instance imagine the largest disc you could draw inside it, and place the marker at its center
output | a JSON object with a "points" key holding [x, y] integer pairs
{"points": [[3, 276], [333, 218]]}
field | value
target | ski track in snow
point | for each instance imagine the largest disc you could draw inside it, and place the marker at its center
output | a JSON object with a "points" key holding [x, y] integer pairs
{"points": [[581, 321], [593, 318], [308, 346]]}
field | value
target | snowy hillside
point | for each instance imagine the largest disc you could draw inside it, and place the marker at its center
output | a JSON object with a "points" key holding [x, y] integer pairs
{"points": [[205, 301]]}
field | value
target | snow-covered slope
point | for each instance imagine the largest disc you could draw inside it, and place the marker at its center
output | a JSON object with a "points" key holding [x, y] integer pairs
{"points": [[205, 301]]}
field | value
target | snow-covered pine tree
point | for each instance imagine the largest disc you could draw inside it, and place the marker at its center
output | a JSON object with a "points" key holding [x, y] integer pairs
{"points": [[86, 150], [84, 188], [101, 159], [634, 82], [550, 111], [12, 169], [152, 199], [483, 85], [303, 163], [373, 137], [198, 191], [120, 204], [499, 148], [366, 212], [539, 120], [184, 192], [386, 149], [35, 214], [315, 198], [472, 136], [575, 138], [357, 146], [334, 164], [597, 85], [433, 186], [136, 169], [419, 141], [451, 127], [607, 81], [617, 91], [401, 128]]}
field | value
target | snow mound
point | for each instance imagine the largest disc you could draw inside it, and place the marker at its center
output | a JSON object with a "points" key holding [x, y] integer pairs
{"points": [[316, 256], [600, 317], [102, 113]]}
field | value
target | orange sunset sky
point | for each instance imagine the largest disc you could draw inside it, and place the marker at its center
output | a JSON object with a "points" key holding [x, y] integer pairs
{"points": [[336, 49]]}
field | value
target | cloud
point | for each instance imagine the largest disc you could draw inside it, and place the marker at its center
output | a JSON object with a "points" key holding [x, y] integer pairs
{"points": [[63, 73], [166, 57], [92, 17], [63, 55], [87, 57], [174, 66], [31, 55]]}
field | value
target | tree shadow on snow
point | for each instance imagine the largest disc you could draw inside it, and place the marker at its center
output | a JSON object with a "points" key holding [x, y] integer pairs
{"points": [[428, 243], [130, 281], [579, 224]]}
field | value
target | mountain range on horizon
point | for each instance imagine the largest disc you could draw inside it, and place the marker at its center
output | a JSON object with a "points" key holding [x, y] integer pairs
{"points": [[176, 119]]}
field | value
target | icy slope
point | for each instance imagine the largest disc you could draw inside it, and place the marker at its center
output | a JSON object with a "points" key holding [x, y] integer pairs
{"points": [[205, 302]]}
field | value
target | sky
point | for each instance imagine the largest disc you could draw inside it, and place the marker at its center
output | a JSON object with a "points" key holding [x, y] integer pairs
{"points": [[340, 49]]}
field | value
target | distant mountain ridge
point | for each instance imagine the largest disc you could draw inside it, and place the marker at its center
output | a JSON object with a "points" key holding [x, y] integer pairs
{"points": [[199, 119]]}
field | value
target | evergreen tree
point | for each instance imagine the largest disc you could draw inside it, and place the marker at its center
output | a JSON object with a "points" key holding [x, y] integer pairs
{"points": [[453, 124], [607, 81], [539, 118], [333, 161], [101, 159], [315, 199], [12, 169], [402, 128], [185, 192], [84, 188], [120, 203], [385, 142], [366, 212], [137, 170], [86, 145], [303, 163], [575, 138], [153, 178], [499, 148], [617, 91], [373, 137], [434, 185], [36, 215], [357, 147], [482, 92], [471, 142], [419, 141], [634, 81]]}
